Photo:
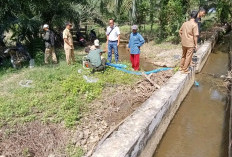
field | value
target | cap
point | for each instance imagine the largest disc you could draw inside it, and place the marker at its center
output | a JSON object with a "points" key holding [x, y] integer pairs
{"points": [[134, 27], [68, 23], [45, 26], [96, 42]]}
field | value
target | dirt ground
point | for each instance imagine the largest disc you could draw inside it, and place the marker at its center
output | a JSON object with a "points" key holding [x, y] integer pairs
{"points": [[37, 139], [108, 113], [33, 139], [163, 55]]}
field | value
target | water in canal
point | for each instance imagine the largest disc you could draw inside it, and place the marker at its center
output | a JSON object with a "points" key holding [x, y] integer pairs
{"points": [[199, 128]]}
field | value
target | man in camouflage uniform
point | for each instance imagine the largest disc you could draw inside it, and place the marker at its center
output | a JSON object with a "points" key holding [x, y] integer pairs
{"points": [[49, 44]]}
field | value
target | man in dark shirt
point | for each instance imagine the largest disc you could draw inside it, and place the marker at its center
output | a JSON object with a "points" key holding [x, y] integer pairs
{"points": [[49, 44], [201, 13]]}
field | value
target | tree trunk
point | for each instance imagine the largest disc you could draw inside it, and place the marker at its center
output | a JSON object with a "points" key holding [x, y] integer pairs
{"points": [[152, 13], [134, 11]]}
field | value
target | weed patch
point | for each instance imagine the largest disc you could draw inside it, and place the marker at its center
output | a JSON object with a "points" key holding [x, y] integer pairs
{"points": [[58, 93]]}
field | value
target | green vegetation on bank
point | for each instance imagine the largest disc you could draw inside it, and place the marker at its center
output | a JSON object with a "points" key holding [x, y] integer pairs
{"points": [[25, 18], [58, 92]]}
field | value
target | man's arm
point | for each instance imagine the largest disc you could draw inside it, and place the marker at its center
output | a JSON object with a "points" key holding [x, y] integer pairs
{"points": [[65, 37], [101, 52], [129, 42], [141, 39], [195, 41], [180, 31], [107, 38], [118, 39], [129, 46], [88, 58], [46, 36], [196, 34], [107, 41], [118, 32]]}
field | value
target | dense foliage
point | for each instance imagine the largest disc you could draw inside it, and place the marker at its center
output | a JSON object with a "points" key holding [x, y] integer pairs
{"points": [[26, 16]]}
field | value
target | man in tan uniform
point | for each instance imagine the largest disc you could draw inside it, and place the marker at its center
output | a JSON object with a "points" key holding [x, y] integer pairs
{"points": [[189, 35], [68, 44]]}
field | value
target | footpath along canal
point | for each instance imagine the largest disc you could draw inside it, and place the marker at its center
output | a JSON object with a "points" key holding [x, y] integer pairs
{"points": [[200, 126]]}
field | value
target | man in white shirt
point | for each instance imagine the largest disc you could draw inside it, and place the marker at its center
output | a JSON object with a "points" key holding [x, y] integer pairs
{"points": [[113, 40]]}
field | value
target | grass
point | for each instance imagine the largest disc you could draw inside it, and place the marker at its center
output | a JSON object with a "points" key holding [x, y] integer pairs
{"points": [[74, 151], [58, 92]]}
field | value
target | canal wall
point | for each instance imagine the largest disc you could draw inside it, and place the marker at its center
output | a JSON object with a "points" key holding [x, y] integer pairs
{"points": [[204, 51], [141, 132], [230, 100]]}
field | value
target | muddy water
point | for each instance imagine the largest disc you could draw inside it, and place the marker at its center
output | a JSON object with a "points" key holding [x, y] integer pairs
{"points": [[124, 55], [199, 129]]}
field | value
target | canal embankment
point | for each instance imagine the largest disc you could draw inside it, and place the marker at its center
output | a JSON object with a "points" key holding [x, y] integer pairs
{"points": [[152, 118]]}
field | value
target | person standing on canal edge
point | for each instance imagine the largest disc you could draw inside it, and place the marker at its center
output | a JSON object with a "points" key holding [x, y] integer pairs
{"points": [[135, 42], [113, 40], [201, 13], [68, 44], [49, 39], [189, 34]]}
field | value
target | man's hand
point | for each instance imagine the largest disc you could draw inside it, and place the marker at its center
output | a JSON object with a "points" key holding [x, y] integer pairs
{"points": [[118, 44], [106, 48], [66, 40]]}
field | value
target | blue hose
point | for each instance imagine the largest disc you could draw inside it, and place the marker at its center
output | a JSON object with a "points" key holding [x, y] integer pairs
{"points": [[141, 73], [122, 67], [117, 65], [157, 70]]}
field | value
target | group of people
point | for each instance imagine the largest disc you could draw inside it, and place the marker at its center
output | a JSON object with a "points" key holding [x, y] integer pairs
{"points": [[49, 39], [189, 33], [113, 41], [94, 52]]}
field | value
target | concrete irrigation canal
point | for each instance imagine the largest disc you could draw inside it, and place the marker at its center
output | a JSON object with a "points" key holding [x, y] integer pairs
{"points": [[200, 127], [180, 119]]}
